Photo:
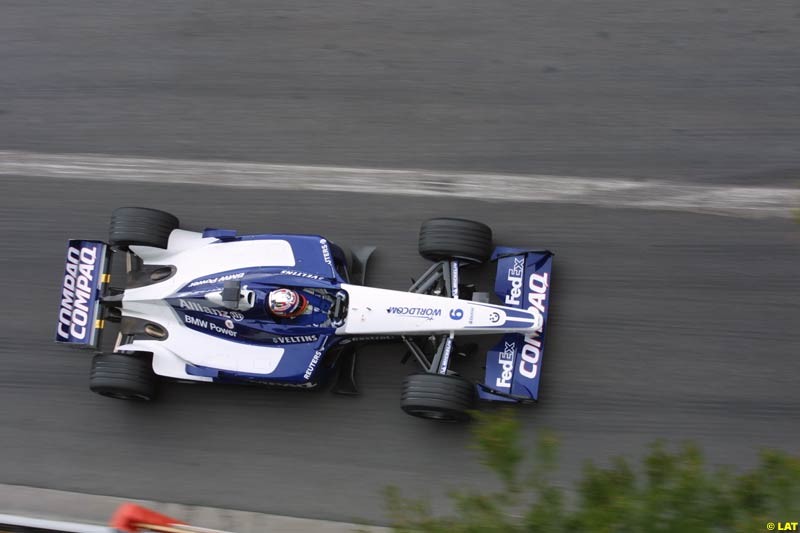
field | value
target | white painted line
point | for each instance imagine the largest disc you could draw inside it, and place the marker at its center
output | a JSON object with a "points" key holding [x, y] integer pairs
{"points": [[58, 526], [602, 192]]}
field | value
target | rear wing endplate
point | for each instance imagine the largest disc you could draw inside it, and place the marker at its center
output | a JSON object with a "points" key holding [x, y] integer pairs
{"points": [[85, 271]]}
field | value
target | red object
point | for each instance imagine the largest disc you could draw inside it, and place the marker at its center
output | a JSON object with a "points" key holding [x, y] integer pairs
{"points": [[128, 517]]}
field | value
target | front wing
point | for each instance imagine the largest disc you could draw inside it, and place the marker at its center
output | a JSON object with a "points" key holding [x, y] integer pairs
{"points": [[513, 366]]}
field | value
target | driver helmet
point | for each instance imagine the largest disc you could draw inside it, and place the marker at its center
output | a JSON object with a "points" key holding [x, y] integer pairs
{"points": [[286, 303]]}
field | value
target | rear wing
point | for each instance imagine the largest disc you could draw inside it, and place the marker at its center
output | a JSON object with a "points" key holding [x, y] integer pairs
{"points": [[513, 366], [85, 271]]}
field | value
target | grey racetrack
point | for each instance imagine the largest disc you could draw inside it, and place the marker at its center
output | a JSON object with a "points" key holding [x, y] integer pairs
{"points": [[668, 326], [685, 90], [664, 325]]}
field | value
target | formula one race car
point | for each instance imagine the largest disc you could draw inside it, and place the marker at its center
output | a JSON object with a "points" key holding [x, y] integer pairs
{"points": [[287, 310]]}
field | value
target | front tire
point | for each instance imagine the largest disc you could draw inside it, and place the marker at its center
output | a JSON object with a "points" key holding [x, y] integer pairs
{"points": [[438, 397], [455, 238], [124, 377], [141, 226]]}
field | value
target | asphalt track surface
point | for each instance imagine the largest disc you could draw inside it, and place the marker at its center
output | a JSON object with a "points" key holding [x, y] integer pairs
{"points": [[684, 90], [664, 325]]}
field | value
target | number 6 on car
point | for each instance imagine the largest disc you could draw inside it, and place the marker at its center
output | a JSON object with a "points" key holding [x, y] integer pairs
{"points": [[288, 310]]}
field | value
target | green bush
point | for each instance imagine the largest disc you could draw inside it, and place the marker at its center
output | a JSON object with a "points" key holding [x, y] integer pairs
{"points": [[669, 492]]}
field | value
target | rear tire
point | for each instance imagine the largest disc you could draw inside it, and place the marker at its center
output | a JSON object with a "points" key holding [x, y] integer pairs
{"points": [[438, 397], [125, 377], [455, 238], [141, 226]]}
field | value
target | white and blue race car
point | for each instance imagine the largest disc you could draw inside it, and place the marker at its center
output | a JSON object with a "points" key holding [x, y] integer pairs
{"points": [[288, 310]]}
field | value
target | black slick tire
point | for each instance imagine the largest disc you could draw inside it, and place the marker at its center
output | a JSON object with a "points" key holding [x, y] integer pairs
{"points": [[141, 226], [121, 376], [455, 238], [438, 397]]}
